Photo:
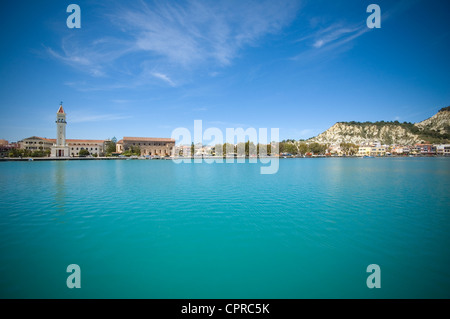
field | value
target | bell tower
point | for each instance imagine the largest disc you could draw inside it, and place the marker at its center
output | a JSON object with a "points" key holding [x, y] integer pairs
{"points": [[61, 127], [60, 149]]}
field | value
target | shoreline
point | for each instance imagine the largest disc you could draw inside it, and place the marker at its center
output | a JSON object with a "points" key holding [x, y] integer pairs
{"points": [[31, 159]]}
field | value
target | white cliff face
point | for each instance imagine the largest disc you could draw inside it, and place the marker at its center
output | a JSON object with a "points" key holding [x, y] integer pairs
{"points": [[439, 122], [388, 133]]}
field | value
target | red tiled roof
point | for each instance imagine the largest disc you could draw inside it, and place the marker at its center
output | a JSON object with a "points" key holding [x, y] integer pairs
{"points": [[60, 110], [53, 140], [73, 140], [36, 137], [148, 139]]}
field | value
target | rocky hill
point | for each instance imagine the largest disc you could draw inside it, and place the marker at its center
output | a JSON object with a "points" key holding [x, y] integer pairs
{"points": [[436, 129], [440, 122]]}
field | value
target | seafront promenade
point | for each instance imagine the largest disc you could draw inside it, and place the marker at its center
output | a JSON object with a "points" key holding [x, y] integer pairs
{"points": [[60, 159], [26, 159]]}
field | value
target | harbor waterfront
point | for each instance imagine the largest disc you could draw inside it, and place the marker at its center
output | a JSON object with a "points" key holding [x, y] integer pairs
{"points": [[157, 229]]}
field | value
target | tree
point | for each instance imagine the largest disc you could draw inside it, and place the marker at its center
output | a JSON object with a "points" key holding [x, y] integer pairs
{"points": [[445, 109], [218, 150], [267, 149], [349, 148], [111, 146], [192, 149], [240, 149], [40, 153], [317, 148], [16, 152], [227, 148], [291, 148], [282, 147], [132, 150], [135, 150], [302, 148], [83, 153], [250, 148]]}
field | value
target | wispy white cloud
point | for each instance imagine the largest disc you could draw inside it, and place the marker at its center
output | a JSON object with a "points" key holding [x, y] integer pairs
{"points": [[79, 62], [175, 36], [163, 77], [338, 36], [331, 38], [86, 86], [335, 33], [92, 57], [199, 31], [319, 43]]}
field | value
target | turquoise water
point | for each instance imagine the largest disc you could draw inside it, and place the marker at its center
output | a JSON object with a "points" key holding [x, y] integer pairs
{"points": [[156, 229]]}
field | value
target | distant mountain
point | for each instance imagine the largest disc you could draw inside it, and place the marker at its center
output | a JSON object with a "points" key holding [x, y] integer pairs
{"points": [[436, 129]]}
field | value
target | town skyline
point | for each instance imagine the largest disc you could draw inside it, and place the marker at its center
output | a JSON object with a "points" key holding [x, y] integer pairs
{"points": [[375, 139], [439, 132]]}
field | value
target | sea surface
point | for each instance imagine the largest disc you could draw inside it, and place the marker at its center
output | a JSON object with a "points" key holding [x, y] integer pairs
{"points": [[157, 229]]}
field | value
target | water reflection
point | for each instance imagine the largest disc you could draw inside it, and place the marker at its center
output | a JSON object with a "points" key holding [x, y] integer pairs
{"points": [[59, 177]]}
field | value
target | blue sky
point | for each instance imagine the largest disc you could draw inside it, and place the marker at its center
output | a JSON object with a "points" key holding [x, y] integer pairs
{"points": [[144, 68]]}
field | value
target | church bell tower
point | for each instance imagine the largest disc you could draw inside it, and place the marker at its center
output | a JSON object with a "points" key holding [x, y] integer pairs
{"points": [[61, 127], [60, 149]]}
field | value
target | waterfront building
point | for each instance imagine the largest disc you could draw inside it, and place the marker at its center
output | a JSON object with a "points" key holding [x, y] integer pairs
{"points": [[95, 147], [152, 146], [36, 143], [203, 150], [443, 149], [371, 151], [6, 147], [3, 148], [183, 150], [401, 150], [62, 147], [424, 149], [336, 150]]}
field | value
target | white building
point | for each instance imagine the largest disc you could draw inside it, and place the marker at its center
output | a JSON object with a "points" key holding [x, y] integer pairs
{"points": [[371, 151], [62, 147], [443, 149]]}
